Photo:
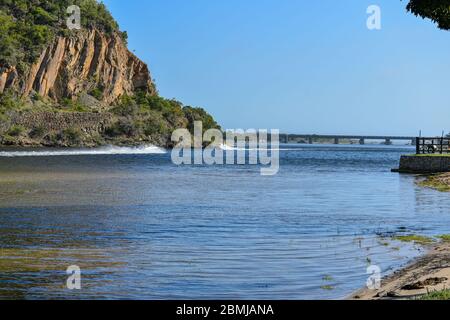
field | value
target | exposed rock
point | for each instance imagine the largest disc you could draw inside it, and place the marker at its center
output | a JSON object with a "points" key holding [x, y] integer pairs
{"points": [[8, 78], [423, 284], [89, 101], [74, 65]]}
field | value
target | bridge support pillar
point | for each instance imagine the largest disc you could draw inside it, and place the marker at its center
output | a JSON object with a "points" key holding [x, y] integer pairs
{"points": [[336, 140], [362, 141]]}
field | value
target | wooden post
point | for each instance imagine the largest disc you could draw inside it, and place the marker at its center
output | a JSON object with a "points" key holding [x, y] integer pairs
{"points": [[418, 146]]}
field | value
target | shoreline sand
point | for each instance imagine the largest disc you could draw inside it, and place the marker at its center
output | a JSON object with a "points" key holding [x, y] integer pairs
{"points": [[426, 274]]}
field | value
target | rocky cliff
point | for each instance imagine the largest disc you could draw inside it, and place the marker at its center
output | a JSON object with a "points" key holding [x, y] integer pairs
{"points": [[88, 61], [71, 88]]}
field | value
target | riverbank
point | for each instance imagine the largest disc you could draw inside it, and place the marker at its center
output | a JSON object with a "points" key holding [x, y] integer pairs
{"points": [[428, 274], [425, 277], [440, 182]]}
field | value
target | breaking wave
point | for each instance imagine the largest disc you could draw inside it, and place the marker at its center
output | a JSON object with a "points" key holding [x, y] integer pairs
{"points": [[78, 152]]}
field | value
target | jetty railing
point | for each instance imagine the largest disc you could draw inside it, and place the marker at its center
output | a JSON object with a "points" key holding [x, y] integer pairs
{"points": [[432, 145]]}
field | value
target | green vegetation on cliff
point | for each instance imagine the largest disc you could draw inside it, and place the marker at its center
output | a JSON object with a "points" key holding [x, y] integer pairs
{"points": [[145, 116], [27, 26], [138, 119]]}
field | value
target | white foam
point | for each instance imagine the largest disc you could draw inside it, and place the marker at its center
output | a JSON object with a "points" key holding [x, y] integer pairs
{"points": [[226, 147], [148, 149]]}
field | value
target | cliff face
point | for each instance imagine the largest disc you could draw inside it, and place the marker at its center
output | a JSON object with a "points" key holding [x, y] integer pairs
{"points": [[79, 64], [68, 88]]}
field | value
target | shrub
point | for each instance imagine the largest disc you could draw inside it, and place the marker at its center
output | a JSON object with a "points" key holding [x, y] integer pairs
{"points": [[15, 131], [37, 97], [156, 115], [37, 132], [72, 105], [123, 127], [199, 114], [72, 135], [9, 101], [153, 126], [97, 93], [126, 107]]}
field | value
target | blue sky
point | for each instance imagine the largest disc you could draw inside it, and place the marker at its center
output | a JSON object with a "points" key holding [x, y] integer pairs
{"points": [[296, 65]]}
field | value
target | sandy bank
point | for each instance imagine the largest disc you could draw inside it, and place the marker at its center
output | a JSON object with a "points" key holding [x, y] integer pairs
{"points": [[424, 275]]}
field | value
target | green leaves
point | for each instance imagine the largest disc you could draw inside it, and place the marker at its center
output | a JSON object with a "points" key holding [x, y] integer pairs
{"points": [[199, 114], [152, 115], [40, 16], [436, 10]]}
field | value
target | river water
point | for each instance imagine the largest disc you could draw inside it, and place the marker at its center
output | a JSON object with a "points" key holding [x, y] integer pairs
{"points": [[140, 227]]}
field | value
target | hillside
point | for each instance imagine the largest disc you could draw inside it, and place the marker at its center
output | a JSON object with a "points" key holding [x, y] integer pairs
{"points": [[61, 87]]}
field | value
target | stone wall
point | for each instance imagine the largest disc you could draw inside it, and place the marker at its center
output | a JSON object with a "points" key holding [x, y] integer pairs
{"points": [[424, 164], [57, 121]]}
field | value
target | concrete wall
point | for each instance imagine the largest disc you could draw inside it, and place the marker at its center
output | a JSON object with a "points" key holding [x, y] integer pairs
{"points": [[424, 164]]}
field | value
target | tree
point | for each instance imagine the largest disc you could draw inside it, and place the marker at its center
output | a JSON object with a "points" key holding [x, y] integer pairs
{"points": [[436, 10], [199, 114]]}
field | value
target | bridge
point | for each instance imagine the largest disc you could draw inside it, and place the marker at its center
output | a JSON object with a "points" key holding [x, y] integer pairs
{"points": [[310, 138]]}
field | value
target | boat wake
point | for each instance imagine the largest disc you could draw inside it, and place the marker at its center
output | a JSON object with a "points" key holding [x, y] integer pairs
{"points": [[111, 150]]}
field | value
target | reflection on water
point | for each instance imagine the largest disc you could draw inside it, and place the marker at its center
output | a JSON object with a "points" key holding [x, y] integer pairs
{"points": [[140, 227]]}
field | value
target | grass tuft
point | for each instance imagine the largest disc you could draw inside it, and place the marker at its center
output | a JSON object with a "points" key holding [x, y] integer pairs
{"points": [[437, 295], [438, 182], [444, 237], [327, 287], [414, 238], [431, 155]]}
